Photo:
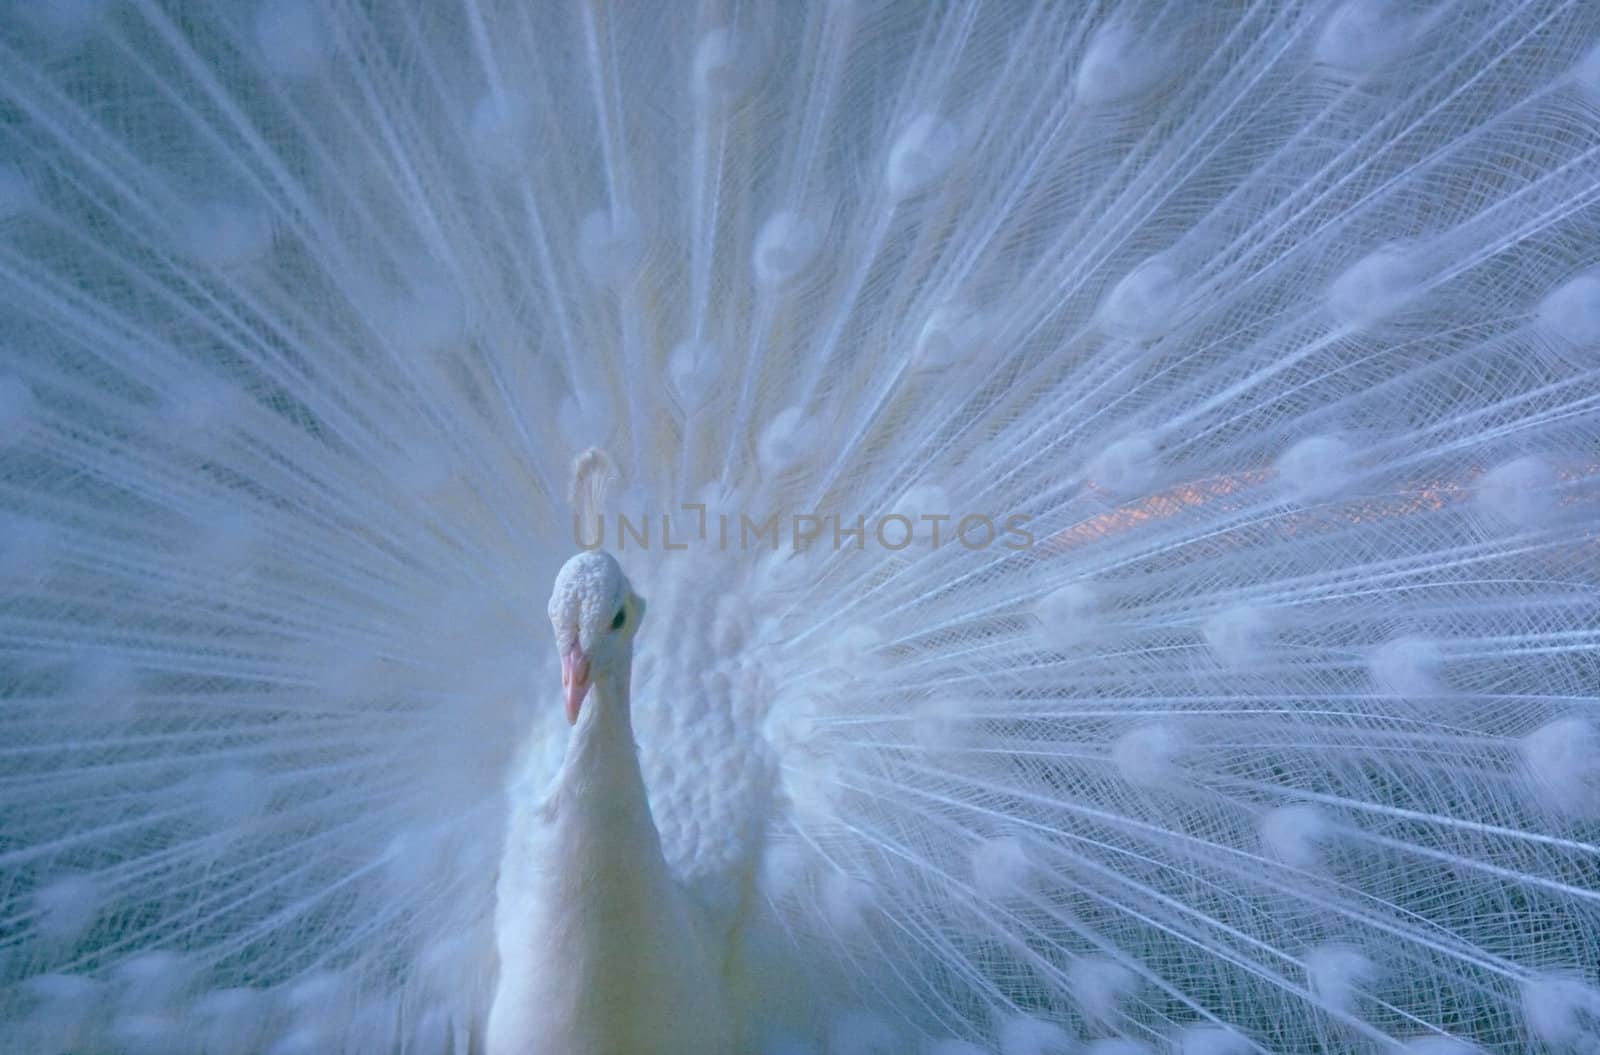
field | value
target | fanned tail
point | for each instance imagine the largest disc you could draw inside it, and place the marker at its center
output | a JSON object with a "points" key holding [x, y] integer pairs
{"points": [[1243, 358]]}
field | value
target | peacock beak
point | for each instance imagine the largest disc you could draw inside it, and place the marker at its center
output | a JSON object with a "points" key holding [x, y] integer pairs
{"points": [[575, 678]]}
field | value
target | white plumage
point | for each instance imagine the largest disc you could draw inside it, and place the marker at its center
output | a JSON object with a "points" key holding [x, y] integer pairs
{"points": [[598, 948], [1115, 486]]}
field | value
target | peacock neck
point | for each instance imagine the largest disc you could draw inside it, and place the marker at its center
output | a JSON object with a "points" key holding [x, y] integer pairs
{"points": [[601, 781], [605, 725], [601, 805]]}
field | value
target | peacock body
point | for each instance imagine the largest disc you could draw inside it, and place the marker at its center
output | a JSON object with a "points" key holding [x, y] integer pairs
{"points": [[1115, 487]]}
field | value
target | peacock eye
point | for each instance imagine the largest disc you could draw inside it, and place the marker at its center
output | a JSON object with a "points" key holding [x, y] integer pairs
{"points": [[621, 617]]}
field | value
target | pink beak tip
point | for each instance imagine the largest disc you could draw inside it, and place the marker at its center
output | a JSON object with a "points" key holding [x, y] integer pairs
{"points": [[575, 679]]}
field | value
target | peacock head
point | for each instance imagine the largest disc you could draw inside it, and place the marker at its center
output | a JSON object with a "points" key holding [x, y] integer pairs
{"points": [[595, 614]]}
